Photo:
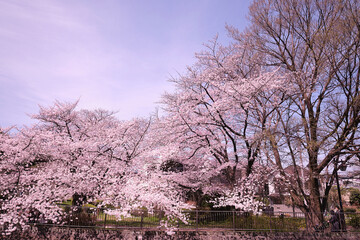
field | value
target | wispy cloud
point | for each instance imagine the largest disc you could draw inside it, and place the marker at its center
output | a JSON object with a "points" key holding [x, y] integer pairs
{"points": [[115, 55]]}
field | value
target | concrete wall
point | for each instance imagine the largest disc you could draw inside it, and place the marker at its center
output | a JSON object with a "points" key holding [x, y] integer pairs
{"points": [[56, 233]]}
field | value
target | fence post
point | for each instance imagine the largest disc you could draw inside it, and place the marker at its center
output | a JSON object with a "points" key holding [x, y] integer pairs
{"points": [[142, 219], [270, 223], [233, 215], [197, 219], [105, 220], [254, 223]]}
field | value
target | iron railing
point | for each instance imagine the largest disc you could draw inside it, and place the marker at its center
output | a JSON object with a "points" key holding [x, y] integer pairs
{"points": [[196, 220]]}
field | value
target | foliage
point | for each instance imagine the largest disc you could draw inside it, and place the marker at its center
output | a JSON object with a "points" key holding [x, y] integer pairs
{"points": [[355, 197], [248, 221], [267, 222], [354, 221], [349, 210], [81, 217]]}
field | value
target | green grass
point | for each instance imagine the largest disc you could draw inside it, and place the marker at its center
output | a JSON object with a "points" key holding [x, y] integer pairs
{"points": [[206, 220], [251, 223], [134, 221]]}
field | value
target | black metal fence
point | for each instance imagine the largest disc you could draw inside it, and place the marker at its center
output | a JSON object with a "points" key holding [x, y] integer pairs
{"points": [[197, 220]]}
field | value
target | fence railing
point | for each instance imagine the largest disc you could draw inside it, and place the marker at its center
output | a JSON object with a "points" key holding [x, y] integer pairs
{"points": [[196, 220]]}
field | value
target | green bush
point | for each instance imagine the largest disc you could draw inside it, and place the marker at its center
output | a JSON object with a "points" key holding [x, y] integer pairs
{"points": [[355, 197], [253, 222], [280, 223], [354, 221], [349, 210], [79, 217]]}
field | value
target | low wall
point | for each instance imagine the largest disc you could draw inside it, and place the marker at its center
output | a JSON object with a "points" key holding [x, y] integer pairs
{"points": [[55, 233]]}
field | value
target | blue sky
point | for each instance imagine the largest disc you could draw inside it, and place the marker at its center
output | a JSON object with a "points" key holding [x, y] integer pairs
{"points": [[115, 55]]}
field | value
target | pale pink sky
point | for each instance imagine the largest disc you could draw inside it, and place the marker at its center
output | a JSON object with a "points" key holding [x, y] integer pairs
{"points": [[115, 55]]}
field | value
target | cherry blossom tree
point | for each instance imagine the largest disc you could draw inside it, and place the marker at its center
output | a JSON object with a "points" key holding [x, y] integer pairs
{"points": [[217, 116], [87, 153], [317, 43]]}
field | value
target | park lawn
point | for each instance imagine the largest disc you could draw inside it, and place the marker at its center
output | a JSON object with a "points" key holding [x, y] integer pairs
{"points": [[253, 223], [133, 221], [206, 220]]}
